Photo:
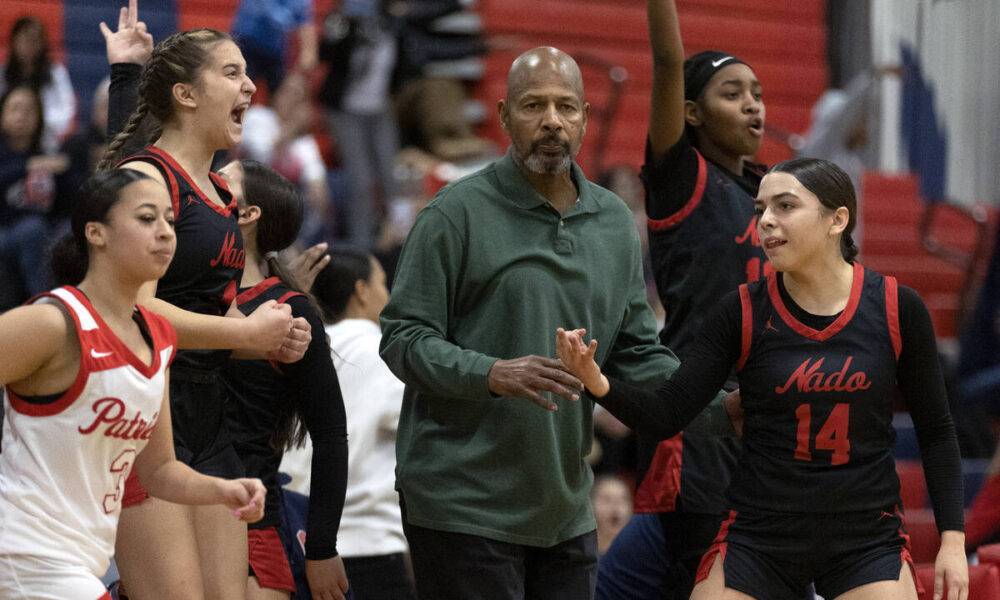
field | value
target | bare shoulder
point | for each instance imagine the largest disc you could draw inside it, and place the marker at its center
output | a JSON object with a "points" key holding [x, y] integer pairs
{"points": [[146, 168], [34, 339]]}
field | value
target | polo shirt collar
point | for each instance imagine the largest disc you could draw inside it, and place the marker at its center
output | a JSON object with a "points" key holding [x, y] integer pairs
{"points": [[515, 187]]}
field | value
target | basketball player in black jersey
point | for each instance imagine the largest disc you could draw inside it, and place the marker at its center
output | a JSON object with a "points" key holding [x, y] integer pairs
{"points": [[706, 120], [192, 94], [273, 406], [819, 347]]}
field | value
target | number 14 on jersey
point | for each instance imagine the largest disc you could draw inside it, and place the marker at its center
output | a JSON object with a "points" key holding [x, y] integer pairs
{"points": [[832, 436]]}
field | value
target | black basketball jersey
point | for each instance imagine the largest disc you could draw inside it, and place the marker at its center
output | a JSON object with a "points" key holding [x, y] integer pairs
{"points": [[817, 431], [261, 391], [209, 251], [703, 244], [258, 389]]}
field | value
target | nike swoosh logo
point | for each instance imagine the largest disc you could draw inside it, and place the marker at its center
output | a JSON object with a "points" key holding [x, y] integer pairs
{"points": [[716, 63], [97, 354]]}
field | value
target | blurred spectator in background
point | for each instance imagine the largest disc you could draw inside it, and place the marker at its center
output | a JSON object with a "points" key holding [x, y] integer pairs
{"points": [[27, 190], [841, 129], [612, 501], [278, 135], [83, 150], [360, 44], [431, 100], [262, 27], [29, 62]]}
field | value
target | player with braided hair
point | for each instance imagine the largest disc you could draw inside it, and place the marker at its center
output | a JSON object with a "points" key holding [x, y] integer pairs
{"points": [[192, 95]]}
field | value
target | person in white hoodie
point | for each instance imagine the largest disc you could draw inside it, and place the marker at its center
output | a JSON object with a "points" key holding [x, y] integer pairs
{"points": [[351, 291]]}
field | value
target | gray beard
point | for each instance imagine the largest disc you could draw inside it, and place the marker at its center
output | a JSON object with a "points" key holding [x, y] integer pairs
{"points": [[542, 166]]}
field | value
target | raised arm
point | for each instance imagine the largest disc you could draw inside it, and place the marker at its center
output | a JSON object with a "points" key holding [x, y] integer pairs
{"points": [[666, 107]]}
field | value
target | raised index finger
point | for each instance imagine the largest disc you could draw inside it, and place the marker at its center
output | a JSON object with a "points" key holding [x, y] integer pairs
{"points": [[133, 12]]}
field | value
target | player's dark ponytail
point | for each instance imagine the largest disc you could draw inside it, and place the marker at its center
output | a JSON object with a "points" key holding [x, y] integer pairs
{"points": [[69, 256], [833, 188], [336, 283], [281, 213]]}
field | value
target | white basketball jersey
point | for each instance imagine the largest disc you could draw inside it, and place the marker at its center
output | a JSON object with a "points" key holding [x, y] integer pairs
{"points": [[63, 465]]}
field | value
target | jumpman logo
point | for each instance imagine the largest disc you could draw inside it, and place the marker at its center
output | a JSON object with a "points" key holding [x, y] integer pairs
{"points": [[769, 326]]}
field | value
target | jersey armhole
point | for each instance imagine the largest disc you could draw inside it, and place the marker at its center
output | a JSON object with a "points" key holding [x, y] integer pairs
{"points": [[692, 203], [746, 329], [892, 314], [168, 176], [67, 398]]}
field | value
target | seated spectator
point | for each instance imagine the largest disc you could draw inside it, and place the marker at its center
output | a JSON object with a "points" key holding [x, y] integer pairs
{"points": [[84, 150], [29, 63], [612, 502], [27, 188], [279, 136]]}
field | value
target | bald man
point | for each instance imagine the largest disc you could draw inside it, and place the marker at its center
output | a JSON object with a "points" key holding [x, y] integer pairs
{"points": [[494, 433]]}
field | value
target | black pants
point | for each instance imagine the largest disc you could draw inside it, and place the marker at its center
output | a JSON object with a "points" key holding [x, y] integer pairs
{"points": [[384, 577], [467, 567]]}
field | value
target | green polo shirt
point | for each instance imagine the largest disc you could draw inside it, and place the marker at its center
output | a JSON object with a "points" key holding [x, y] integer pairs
{"points": [[489, 271]]}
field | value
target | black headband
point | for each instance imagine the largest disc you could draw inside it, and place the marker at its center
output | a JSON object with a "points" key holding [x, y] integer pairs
{"points": [[700, 68]]}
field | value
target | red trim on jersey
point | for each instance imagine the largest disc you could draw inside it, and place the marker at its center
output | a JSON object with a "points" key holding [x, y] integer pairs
{"points": [[718, 547], [747, 329], [118, 347], [165, 330], [112, 353], [175, 199], [904, 554], [833, 328], [692, 203], [86, 362], [892, 313], [257, 290], [225, 211], [134, 492], [105, 596], [284, 298], [662, 483]]}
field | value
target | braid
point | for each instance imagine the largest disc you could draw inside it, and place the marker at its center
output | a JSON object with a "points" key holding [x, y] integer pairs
{"points": [[847, 247], [110, 157], [177, 59]]}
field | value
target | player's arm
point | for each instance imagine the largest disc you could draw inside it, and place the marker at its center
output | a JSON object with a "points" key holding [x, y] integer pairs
{"points": [[30, 337], [922, 382], [666, 108], [166, 478], [662, 414]]}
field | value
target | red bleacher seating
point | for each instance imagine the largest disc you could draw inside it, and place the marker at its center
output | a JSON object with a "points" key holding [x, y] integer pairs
{"points": [[761, 32], [912, 486], [924, 538]]}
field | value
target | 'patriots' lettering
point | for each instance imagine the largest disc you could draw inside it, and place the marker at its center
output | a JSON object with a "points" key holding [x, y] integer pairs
{"points": [[811, 379], [110, 411], [229, 256]]}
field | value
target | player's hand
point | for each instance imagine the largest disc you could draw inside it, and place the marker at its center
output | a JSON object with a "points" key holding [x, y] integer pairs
{"points": [[307, 265], [526, 376], [131, 43], [295, 343], [245, 497], [579, 359], [951, 569], [269, 326], [734, 408], [327, 578]]}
